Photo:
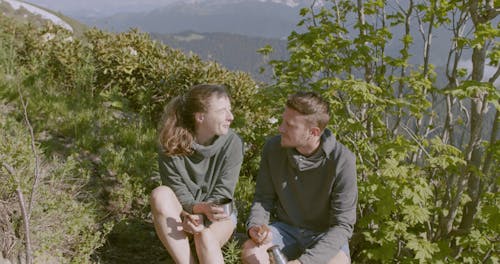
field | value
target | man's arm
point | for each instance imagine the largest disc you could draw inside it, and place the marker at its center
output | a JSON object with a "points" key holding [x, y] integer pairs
{"points": [[264, 197], [342, 213]]}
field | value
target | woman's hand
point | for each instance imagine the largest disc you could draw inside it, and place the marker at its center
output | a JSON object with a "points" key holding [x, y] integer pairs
{"points": [[260, 234], [192, 223], [213, 212]]}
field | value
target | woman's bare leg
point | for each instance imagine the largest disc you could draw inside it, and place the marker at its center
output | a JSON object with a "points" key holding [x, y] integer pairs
{"points": [[166, 211], [210, 241]]}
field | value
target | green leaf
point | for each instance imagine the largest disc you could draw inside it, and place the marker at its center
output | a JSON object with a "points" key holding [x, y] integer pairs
{"points": [[414, 214], [471, 89], [424, 250], [266, 50]]}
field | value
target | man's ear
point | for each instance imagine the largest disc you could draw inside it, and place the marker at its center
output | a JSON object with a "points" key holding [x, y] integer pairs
{"points": [[315, 131]]}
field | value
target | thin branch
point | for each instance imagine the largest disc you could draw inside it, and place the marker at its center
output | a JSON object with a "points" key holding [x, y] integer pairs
{"points": [[414, 137], [447, 225], [427, 38], [33, 149], [312, 13], [495, 76], [26, 217], [29, 258], [9, 169], [337, 11], [494, 136]]}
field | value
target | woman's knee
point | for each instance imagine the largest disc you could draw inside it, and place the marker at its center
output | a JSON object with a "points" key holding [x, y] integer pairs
{"points": [[222, 230], [162, 197]]}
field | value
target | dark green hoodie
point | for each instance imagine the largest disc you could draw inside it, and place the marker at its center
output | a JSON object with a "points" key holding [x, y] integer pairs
{"points": [[318, 193], [210, 173]]}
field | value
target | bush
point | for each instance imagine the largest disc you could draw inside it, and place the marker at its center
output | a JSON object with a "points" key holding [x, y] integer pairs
{"points": [[63, 213]]}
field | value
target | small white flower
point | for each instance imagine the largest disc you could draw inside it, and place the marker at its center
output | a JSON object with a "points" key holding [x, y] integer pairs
{"points": [[132, 51], [273, 120]]}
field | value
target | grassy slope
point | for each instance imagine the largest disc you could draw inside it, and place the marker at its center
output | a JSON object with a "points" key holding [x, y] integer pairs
{"points": [[130, 240]]}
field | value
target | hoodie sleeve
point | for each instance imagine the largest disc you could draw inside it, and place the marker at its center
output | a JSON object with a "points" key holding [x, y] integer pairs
{"points": [[342, 212], [172, 178], [264, 197], [227, 180]]}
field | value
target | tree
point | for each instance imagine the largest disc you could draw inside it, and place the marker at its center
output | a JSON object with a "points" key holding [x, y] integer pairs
{"points": [[425, 132]]}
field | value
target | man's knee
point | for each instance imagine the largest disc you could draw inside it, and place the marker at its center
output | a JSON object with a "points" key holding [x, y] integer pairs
{"points": [[340, 258], [250, 252], [247, 247]]}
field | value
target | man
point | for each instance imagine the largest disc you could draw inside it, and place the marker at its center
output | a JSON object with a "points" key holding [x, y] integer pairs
{"points": [[307, 181]]}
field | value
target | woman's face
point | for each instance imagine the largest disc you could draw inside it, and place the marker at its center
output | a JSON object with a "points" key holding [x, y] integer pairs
{"points": [[216, 120]]}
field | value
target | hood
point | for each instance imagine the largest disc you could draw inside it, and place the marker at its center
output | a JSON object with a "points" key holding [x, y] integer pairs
{"points": [[302, 163], [202, 152]]}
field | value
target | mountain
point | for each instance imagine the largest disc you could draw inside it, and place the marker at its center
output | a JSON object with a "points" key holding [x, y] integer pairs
{"points": [[226, 31], [233, 51], [270, 19], [258, 18], [36, 15]]}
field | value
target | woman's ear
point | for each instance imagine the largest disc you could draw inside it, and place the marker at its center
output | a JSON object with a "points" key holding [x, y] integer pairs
{"points": [[199, 117]]}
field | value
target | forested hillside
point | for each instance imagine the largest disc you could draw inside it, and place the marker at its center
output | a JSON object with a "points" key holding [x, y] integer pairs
{"points": [[78, 120], [236, 52]]}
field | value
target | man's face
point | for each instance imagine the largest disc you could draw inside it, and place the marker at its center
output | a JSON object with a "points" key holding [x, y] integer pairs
{"points": [[294, 129], [218, 116]]}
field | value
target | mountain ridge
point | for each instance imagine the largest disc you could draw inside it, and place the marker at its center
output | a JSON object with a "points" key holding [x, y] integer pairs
{"points": [[234, 51], [251, 18]]}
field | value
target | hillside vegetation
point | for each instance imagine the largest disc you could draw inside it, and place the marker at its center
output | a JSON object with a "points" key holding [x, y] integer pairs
{"points": [[78, 120], [85, 172]]}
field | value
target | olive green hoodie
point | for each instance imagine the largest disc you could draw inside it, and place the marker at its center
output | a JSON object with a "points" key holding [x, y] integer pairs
{"points": [[210, 173]]}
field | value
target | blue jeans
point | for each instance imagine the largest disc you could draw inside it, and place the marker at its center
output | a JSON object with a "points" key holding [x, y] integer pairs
{"points": [[293, 241]]}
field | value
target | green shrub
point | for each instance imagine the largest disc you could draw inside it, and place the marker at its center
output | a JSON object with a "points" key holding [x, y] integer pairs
{"points": [[63, 213]]}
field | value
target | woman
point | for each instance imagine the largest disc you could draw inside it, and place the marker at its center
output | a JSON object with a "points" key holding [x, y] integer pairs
{"points": [[200, 159]]}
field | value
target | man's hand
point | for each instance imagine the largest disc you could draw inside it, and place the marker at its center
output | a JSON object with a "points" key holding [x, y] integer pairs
{"points": [[260, 234]]}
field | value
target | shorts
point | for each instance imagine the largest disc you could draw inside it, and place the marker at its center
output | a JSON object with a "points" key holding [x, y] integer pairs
{"points": [[293, 241], [233, 216]]}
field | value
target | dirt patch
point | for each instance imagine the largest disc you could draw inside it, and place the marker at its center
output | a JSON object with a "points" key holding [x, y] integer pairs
{"points": [[132, 241]]}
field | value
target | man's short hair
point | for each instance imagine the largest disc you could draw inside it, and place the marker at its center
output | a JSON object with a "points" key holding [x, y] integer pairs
{"points": [[312, 105]]}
